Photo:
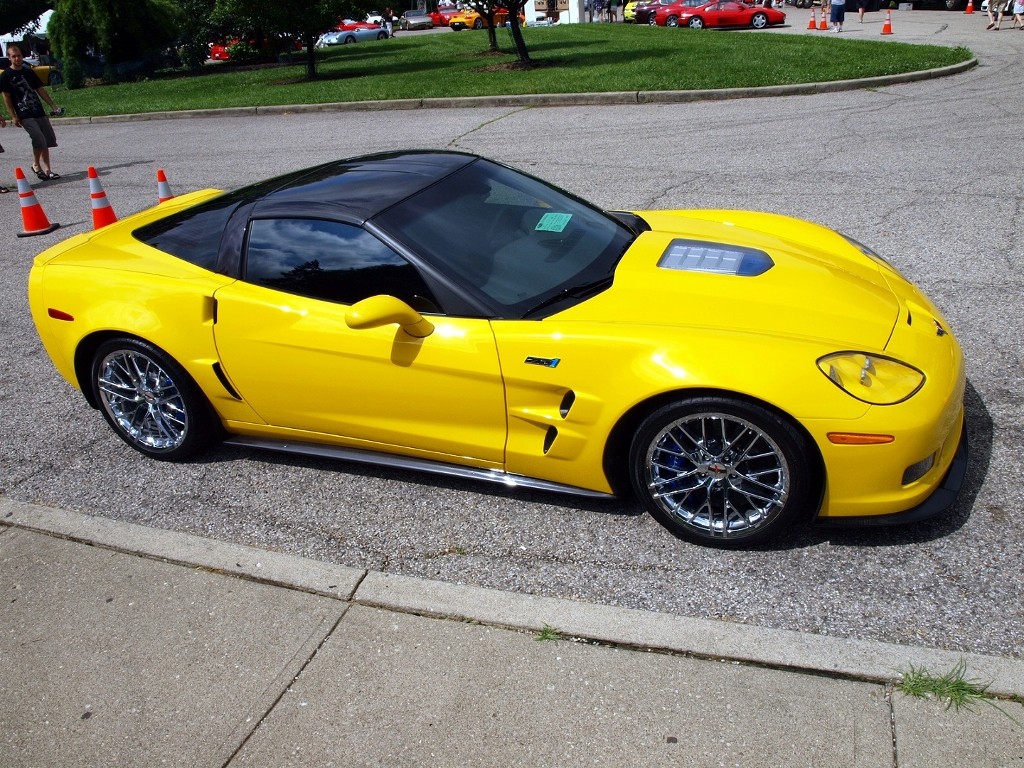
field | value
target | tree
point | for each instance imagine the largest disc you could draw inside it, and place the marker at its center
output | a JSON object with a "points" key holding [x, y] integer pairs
{"points": [[16, 15], [195, 32], [489, 10], [516, 7], [114, 31], [305, 21]]}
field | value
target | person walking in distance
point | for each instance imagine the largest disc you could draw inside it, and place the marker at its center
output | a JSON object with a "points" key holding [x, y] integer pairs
{"points": [[995, 14], [837, 14], [1018, 15], [24, 95]]}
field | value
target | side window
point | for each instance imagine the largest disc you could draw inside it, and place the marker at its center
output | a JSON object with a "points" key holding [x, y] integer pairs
{"points": [[330, 261]]}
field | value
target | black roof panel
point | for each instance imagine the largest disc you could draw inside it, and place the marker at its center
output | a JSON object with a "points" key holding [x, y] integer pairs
{"points": [[358, 188]]}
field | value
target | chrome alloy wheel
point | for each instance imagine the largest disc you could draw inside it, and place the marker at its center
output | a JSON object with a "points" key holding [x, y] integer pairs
{"points": [[717, 475], [143, 400]]}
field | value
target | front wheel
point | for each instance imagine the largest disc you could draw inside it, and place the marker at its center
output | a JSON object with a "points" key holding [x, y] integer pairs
{"points": [[696, 23], [672, 21], [150, 401], [759, 20], [722, 472], [382, 35], [652, 21], [478, 24], [349, 39]]}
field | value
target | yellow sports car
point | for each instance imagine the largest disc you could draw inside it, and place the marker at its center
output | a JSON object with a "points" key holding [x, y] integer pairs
{"points": [[740, 372], [471, 19]]}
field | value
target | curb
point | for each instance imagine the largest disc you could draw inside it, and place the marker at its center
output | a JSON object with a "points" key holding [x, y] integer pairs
{"points": [[544, 99], [862, 660]]}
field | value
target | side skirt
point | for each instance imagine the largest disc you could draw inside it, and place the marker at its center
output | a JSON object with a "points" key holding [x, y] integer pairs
{"points": [[420, 465]]}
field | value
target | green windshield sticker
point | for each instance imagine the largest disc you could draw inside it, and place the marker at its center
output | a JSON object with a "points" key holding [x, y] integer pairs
{"points": [[553, 222]]}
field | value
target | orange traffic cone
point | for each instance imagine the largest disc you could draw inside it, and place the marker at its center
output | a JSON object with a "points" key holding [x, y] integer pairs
{"points": [[812, 24], [823, 24], [32, 216], [102, 213], [163, 189], [887, 27], [970, 7]]}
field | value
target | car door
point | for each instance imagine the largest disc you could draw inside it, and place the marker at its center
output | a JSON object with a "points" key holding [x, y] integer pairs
{"points": [[725, 14], [285, 346]]}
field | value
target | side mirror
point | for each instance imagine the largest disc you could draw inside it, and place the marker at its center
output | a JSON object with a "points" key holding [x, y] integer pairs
{"points": [[386, 310]]}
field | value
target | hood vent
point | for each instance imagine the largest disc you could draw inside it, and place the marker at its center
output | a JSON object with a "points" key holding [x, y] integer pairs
{"points": [[716, 258]]}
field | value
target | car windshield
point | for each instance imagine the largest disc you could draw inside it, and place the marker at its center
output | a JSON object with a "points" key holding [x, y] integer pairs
{"points": [[514, 241]]}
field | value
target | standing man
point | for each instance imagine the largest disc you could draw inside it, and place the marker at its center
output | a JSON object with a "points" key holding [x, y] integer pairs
{"points": [[24, 95], [837, 10]]}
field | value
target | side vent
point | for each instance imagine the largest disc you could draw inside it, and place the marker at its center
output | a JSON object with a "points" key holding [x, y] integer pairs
{"points": [[224, 381], [549, 438], [567, 401]]}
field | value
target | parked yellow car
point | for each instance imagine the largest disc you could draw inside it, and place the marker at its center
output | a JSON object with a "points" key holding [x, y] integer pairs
{"points": [[471, 19], [737, 371]]}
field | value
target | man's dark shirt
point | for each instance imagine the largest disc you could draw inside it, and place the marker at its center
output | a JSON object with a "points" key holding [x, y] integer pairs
{"points": [[22, 84]]}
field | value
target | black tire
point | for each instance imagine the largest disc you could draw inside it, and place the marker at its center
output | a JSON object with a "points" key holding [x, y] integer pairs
{"points": [[722, 472], [954, 5], [759, 20], [382, 35], [351, 39], [55, 79], [672, 21], [150, 401], [652, 20], [478, 24], [695, 23]]}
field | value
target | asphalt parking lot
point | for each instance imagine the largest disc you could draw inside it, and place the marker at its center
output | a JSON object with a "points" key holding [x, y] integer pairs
{"points": [[910, 170]]}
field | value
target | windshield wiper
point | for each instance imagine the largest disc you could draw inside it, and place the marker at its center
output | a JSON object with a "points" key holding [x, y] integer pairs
{"points": [[581, 291]]}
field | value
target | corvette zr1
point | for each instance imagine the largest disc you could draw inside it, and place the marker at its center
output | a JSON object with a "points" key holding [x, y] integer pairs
{"points": [[740, 372]]}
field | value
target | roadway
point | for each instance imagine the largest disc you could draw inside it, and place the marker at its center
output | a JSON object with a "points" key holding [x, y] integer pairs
{"points": [[926, 173]]}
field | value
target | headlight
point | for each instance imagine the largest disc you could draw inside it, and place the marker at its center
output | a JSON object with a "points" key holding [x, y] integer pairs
{"points": [[871, 378]]}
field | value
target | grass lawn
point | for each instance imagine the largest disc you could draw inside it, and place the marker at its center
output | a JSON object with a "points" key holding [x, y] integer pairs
{"points": [[577, 58]]}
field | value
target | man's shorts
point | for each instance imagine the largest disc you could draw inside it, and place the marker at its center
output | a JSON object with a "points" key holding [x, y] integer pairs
{"points": [[41, 131]]}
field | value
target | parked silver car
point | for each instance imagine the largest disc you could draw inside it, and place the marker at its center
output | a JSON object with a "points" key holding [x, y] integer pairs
{"points": [[416, 20]]}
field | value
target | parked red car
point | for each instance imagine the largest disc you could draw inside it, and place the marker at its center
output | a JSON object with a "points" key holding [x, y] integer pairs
{"points": [[719, 13], [443, 15], [347, 25], [646, 13]]}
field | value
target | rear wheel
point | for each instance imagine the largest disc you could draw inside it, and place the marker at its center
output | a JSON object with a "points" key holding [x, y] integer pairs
{"points": [[382, 35], [695, 23], [722, 472], [478, 24], [759, 20], [150, 401]]}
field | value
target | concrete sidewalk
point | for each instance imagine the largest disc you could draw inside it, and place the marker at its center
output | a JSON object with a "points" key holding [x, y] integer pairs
{"points": [[128, 646]]}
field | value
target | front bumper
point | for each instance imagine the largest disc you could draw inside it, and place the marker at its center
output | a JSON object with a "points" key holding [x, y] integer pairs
{"points": [[941, 499]]}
